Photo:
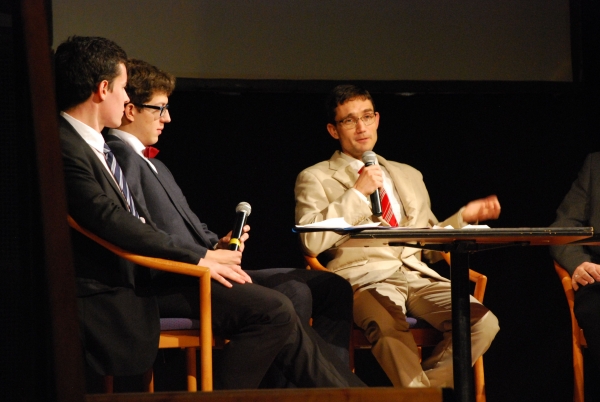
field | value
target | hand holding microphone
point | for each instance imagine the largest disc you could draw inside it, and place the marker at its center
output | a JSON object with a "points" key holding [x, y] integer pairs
{"points": [[369, 158], [242, 212]]}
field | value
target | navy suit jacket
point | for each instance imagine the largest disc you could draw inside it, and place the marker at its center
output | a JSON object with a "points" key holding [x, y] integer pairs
{"points": [[580, 207], [118, 314], [163, 198]]}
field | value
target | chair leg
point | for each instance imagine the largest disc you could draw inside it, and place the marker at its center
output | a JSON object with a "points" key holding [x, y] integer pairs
{"points": [[109, 384], [192, 380], [148, 379], [578, 388], [479, 380]]}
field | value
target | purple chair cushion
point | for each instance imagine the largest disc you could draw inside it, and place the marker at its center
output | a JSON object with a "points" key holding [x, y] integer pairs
{"points": [[173, 324], [417, 323]]}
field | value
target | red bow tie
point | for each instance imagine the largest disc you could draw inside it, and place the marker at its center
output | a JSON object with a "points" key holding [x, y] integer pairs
{"points": [[150, 152]]}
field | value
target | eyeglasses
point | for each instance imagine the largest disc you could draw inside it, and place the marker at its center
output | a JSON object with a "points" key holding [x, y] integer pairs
{"points": [[162, 109], [351, 122]]}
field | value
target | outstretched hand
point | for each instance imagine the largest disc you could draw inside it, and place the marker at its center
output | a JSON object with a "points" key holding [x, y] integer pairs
{"points": [[482, 209]]}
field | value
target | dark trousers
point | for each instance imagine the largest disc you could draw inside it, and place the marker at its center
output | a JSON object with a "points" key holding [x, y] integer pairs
{"points": [[323, 296], [587, 312], [264, 328]]}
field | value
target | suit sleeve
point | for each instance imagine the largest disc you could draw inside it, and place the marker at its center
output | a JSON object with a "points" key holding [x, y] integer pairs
{"points": [[92, 206], [313, 205], [575, 211]]}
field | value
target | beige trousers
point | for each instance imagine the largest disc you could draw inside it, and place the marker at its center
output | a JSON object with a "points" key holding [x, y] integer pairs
{"points": [[381, 308]]}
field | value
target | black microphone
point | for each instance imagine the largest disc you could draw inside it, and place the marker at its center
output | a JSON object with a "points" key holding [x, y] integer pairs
{"points": [[369, 158], [242, 212]]}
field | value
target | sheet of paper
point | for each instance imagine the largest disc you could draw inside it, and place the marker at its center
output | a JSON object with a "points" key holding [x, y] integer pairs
{"points": [[337, 223], [465, 227]]}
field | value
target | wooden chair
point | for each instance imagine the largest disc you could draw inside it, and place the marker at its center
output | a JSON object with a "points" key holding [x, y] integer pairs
{"points": [[425, 336], [197, 335], [577, 338]]}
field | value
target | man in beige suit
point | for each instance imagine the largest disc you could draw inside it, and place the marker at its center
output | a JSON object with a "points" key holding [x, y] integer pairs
{"points": [[388, 282]]}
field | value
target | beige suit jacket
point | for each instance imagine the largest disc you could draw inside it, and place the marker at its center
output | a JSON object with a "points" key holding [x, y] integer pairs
{"points": [[322, 193]]}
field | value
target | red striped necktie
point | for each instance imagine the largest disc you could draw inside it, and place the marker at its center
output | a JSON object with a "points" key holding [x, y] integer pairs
{"points": [[150, 152], [386, 206]]}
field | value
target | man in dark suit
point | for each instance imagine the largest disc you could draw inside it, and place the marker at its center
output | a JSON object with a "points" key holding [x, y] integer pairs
{"points": [[117, 309], [320, 295], [581, 207]]}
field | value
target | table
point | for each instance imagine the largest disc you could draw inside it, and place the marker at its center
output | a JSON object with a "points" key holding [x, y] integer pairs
{"points": [[461, 243]]}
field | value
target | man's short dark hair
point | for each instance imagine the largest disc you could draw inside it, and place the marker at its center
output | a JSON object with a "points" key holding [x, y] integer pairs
{"points": [[145, 80], [342, 94], [81, 63]]}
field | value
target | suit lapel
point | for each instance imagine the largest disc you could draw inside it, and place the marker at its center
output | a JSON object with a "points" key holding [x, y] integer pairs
{"points": [[91, 155], [344, 173], [183, 211]]}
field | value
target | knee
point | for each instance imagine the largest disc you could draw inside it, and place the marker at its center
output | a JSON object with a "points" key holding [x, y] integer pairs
{"points": [[487, 327], [299, 295], [279, 311], [339, 295], [340, 287]]}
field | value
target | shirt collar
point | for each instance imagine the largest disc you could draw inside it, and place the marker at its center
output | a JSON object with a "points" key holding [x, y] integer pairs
{"points": [[89, 135], [134, 143], [130, 140], [356, 164]]}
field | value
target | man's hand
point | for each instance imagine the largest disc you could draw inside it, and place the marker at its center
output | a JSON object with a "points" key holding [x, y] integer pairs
{"points": [[585, 274], [222, 272], [369, 180], [227, 257], [224, 241], [482, 209]]}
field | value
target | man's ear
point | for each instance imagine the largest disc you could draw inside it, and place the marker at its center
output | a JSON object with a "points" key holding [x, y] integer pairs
{"points": [[128, 113], [333, 131], [101, 90]]}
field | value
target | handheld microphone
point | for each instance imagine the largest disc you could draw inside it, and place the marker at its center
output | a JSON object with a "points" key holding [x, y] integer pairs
{"points": [[369, 158], [242, 212]]}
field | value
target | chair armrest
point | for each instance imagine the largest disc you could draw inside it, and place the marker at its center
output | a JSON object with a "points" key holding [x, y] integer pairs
{"points": [[565, 280], [474, 276], [150, 262], [314, 263], [178, 268]]}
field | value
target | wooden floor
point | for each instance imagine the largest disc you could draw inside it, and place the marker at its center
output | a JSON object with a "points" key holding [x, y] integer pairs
{"points": [[284, 395]]}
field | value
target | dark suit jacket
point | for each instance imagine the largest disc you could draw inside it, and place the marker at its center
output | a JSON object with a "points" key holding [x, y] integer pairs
{"points": [[580, 207], [118, 313], [163, 198]]}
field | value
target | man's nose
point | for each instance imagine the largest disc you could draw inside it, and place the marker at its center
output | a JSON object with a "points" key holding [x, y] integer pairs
{"points": [[166, 117]]}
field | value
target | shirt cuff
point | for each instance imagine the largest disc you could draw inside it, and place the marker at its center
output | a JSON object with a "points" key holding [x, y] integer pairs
{"points": [[360, 195]]}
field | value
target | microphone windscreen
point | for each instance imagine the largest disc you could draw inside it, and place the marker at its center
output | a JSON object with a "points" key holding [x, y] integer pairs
{"points": [[243, 207], [369, 158]]}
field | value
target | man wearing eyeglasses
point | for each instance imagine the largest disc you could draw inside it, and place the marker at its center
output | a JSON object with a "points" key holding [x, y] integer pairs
{"points": [[388, 282], [243, 312]]}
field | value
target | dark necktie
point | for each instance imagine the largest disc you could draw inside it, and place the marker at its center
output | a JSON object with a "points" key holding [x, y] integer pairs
{"points": [[114, 167], [150, 152]]}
